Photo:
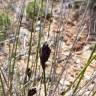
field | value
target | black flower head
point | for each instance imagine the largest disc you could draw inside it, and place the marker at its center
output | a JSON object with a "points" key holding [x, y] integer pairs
{"points": [[32, 92], [44, 54]]}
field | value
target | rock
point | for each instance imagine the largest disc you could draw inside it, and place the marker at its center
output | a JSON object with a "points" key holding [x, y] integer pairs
{"points": [[78, 61], [87, 77], [64, 82], [69, 93]]}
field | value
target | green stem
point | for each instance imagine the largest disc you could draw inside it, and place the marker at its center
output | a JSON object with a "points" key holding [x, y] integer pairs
{"points": [[44, 77], [91, 58], [2, 85], [38, 45], [11, 70]]}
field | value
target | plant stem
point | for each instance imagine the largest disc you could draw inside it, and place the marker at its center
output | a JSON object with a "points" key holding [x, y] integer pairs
{"points": [[91, 58], [44, 78], [4, 94]]}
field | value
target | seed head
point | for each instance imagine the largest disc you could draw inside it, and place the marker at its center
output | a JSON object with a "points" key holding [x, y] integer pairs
{"points": [[32, 92], [44, 54]]}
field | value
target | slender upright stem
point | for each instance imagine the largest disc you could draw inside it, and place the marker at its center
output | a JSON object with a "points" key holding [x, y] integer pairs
{"points": [[44, 78]]}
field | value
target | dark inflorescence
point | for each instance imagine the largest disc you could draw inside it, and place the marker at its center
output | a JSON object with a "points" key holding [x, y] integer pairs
{"points": [[32, 92], [44, 54]]}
